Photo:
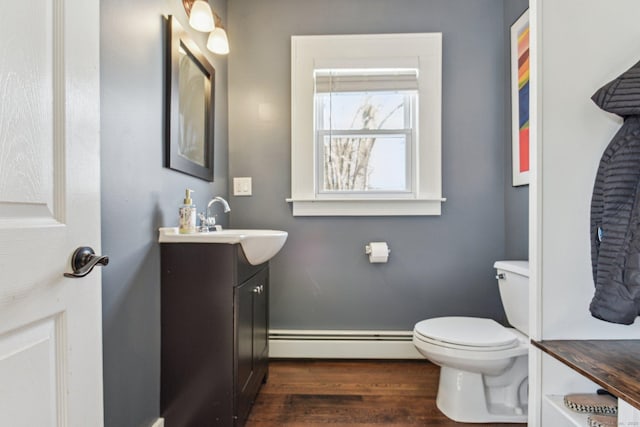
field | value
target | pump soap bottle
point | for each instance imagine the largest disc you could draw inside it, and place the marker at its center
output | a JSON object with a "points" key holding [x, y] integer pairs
{"points": [[187, 215]]}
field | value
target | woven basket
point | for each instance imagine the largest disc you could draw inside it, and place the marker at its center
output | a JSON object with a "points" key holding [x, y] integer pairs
{"points": [[592, 403], [603, 421]]}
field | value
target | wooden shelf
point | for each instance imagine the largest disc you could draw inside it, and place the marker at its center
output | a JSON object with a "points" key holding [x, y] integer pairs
{"points": [[579, 420], [612, 364]]}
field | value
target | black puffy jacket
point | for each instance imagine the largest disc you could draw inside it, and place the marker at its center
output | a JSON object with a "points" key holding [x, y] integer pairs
{"points": [[615, 207]]}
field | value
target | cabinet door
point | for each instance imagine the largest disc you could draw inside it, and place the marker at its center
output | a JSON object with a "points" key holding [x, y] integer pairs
{"points": [[251, 319], [261, 328], [244, 302]]}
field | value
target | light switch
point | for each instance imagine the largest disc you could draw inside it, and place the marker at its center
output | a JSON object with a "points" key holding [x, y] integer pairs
{"points": [[242, 186]]}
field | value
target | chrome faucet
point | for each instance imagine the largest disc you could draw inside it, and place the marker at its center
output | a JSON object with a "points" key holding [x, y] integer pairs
{"points": [[218, 199], [208, 222]]}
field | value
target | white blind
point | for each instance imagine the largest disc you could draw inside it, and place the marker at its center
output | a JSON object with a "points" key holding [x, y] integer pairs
{"points": [[364, 80]]}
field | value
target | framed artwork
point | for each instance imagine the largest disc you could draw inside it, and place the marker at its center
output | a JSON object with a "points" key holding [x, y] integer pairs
{"points": [[189, 105], [520, 99]]}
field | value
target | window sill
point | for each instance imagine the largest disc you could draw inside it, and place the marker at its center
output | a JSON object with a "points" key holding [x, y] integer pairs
{"points": [[367, 207]]}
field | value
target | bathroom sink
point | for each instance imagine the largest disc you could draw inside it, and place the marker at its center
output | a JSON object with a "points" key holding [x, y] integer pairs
{"points": [[258, 245]]}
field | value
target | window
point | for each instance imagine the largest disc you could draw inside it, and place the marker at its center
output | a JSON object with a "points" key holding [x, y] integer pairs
{"points": [[366, 125], [364, 131]]}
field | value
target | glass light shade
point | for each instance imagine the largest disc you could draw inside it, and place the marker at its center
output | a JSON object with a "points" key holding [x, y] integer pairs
{"points": [[201, 17], [218, 41]]}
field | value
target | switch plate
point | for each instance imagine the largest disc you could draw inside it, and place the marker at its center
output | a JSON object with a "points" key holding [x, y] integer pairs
{"points": [[242, 186]]}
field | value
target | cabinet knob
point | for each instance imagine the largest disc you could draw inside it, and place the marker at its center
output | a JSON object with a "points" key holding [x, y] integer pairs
{"points": [[258, 289]]}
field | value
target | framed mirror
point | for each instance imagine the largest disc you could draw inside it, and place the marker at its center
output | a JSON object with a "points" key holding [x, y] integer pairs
{"points": [[189, 105]]}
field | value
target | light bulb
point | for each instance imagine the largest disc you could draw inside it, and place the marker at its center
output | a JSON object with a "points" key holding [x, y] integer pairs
{"points": [[218, 41], [201, 17]]}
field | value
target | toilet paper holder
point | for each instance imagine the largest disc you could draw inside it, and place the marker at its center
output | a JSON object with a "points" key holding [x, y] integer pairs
{"points": [[378, 252]]}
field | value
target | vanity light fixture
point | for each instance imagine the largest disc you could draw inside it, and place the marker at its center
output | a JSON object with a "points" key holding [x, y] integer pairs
{"points": [[218, 41], [203, 19], [201, 16]]}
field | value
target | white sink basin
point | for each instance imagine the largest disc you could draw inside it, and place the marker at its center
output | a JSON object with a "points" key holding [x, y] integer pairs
{"points": [[258, 245]]}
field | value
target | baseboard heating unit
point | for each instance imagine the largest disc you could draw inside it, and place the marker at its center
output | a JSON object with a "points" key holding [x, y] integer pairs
{"points": [[337, 344]]}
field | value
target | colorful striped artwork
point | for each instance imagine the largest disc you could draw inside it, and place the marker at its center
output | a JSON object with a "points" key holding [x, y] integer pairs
{"points": [[520, 99], [523, 98]]}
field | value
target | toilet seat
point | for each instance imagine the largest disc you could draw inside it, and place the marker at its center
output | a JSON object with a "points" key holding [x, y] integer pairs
{"points": [[466, 333]]}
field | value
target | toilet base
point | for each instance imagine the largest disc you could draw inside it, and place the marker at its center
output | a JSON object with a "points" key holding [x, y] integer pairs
{"points": [[463, 397]]}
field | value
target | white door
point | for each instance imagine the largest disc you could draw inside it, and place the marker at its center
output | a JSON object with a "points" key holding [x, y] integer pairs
{"points": [[50, 325]]}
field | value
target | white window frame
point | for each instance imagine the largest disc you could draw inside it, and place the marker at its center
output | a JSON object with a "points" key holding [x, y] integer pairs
{"points": [[410, 112], [422, 51]]}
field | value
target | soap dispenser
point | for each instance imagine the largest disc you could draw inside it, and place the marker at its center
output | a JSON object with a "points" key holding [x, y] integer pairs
{"points": [[187, 214]]}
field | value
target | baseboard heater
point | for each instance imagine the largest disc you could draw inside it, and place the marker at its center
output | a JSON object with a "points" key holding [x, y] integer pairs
{"points": [[338, 344]]}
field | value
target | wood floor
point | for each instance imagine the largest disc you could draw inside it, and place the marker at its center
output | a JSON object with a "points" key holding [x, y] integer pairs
{"points": [[350, 393]]}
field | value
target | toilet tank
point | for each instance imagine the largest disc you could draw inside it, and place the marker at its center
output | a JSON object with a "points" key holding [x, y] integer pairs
{"points": [[513, 283]]}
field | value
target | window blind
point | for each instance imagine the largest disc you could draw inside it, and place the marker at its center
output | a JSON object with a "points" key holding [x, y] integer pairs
{"points": [[341, 80]]}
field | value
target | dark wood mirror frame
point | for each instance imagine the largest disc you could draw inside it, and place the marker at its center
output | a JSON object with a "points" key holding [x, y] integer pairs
{"points": [[198, 161]]}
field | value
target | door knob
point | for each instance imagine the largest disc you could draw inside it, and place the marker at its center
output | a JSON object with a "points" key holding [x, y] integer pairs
{"points": [[83, 260]]}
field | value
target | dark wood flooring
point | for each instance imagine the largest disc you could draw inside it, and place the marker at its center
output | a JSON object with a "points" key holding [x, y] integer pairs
{"points": [[310, 393]]}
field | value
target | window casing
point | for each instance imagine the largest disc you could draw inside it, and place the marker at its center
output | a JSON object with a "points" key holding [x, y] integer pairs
{"points": [[366, 126]]}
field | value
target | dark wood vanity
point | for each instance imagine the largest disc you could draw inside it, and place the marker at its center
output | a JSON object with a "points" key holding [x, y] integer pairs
{"points": [[214, 323]]}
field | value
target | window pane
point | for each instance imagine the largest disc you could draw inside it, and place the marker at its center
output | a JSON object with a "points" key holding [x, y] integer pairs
{"points": [[365, 163], [362, 110]]}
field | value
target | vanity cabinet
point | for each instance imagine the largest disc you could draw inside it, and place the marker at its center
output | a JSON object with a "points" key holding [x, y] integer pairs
{"points": [[214, 334]]}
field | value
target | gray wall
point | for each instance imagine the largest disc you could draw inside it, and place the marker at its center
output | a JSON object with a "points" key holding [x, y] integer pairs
{"points": [[438, 265], [516, 198], [138, 196]]}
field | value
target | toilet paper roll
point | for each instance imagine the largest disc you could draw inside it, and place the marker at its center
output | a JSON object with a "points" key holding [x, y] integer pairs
{"points": [[378, 252]]}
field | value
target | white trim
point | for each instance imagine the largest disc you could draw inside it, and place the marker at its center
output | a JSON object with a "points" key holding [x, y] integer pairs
{"points": [[158, 423], [366, 207], [329, 344], [535, 212]]}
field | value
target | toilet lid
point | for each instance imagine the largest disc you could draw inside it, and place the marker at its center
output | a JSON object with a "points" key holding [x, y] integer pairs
{"points": [[467, 331]]}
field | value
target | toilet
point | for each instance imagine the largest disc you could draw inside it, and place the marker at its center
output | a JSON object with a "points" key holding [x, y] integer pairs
{"points": [[484, 365]]}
